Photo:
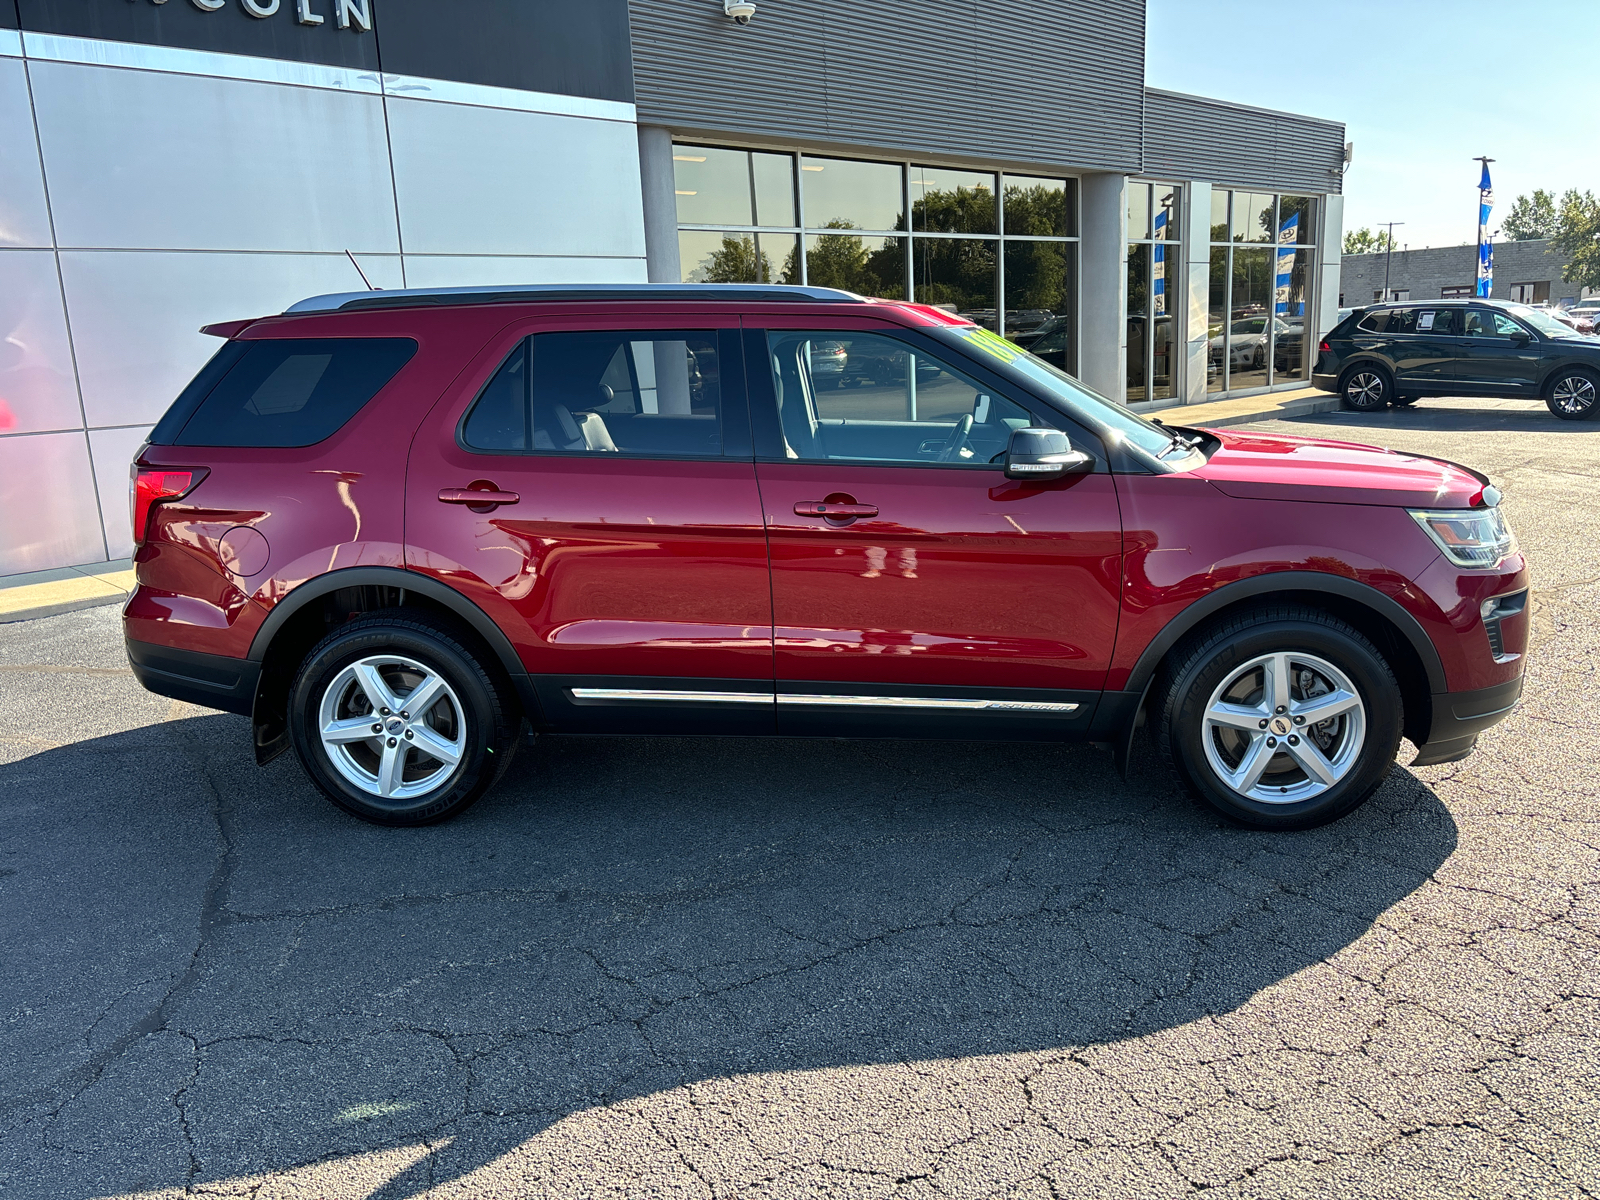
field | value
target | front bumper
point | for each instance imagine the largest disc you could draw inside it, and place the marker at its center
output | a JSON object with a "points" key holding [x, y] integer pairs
{"points": [[210, 680], [1459, 717]]}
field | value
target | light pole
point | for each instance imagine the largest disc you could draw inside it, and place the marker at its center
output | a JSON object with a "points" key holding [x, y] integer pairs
{"points": [[1388, 258]]}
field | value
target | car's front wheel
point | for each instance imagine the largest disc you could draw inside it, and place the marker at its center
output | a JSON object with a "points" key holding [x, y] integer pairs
{"points": [[1281, 718], [397, 722], [1573, 395], [1365, 389]]}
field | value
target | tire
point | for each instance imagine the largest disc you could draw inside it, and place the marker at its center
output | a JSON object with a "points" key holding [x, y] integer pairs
{"points": [[1365, 388], [1573, 394], [1348, 754], [389, 778]]}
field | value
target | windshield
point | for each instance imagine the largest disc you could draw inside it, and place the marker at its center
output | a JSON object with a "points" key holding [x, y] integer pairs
{"points": [[1546, 325], [1110, 420]]}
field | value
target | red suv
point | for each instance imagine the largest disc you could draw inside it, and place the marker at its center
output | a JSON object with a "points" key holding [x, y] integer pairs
{"points": [[398, 529]]}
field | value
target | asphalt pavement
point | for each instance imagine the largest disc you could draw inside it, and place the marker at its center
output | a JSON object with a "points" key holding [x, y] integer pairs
{"points": [[699, 967]]}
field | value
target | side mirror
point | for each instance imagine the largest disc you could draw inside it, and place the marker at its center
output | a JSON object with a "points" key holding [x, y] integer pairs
{"points": [[1522, 337], [1044, 454]]}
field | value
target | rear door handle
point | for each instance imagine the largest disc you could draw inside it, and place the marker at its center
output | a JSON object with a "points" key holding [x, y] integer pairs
{"points": [[825, 508], [476, 497]]}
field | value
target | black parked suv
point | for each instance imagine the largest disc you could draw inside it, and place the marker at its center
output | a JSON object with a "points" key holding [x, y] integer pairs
{"points": [[1397, 353]]}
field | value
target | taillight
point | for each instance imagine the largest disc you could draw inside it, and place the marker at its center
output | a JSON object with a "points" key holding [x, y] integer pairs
{"points": [[151, 485], [1325, 348]]}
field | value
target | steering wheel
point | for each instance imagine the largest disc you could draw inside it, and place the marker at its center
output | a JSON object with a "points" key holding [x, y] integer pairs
{"points": [[958, 439]]}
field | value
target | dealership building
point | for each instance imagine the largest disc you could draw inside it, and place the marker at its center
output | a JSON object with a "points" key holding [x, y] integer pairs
{"points": [[170, 163]]}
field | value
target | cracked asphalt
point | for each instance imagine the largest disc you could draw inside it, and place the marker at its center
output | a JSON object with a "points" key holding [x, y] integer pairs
{"points": [[696, 967]]}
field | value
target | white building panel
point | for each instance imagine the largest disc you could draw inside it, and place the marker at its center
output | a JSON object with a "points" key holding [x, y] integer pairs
{"points": [[136, 315], [47, 498], [489, 270], [152, 160], [38, 391], [492, 181], [111, 452], [24, 219]]}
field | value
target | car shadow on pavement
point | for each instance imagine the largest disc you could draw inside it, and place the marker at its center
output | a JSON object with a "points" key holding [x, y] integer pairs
{"points": [[234, 977]]}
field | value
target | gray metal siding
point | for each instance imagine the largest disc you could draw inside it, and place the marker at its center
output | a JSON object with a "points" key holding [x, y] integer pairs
{"points": [[1054, 82], [1232, 145]]}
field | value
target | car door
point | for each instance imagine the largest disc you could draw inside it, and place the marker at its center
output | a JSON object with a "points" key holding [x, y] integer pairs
{"points": [[1424, 347], [618, 539], [916, 590], [1500, 357]]}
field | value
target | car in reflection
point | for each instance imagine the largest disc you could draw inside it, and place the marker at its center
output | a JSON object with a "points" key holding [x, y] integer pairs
{"points": [[828, 360], [1051, 341], [1026, 320], [867, 363], [1587, 315], [1248, 338]]}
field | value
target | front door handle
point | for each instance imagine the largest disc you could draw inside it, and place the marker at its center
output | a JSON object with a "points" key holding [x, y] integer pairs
{"points": [[833, 510], [477, 496]]}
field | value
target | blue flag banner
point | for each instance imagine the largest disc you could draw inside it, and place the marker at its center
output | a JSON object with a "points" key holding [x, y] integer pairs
{"points": [[1485, 249], [1288, 235], [1158, 268]]}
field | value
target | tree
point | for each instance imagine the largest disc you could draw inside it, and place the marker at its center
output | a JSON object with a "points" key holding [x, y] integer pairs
{"points": [[1577, 236], [1365, 241], [1531, 217]]}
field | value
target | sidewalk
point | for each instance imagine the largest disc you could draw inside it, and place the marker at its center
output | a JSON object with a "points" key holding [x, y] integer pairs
{"points": [[47, 593], [1271, 406]]}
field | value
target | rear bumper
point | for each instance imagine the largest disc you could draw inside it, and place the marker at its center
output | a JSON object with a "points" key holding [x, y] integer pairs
{"points": [[1328, 383], [1459, 717], [210, 680]]}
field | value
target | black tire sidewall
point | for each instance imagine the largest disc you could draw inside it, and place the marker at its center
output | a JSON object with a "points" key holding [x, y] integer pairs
{"points": [[1362, 369], [1587, 414], [481, 712], [1191, 689]]}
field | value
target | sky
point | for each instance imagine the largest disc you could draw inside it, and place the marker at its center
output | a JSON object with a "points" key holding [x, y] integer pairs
{"points": [[1423, 87]]}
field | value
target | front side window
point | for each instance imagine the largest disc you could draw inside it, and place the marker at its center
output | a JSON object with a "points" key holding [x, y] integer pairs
{"points": [[655, 395], [868, 398]]}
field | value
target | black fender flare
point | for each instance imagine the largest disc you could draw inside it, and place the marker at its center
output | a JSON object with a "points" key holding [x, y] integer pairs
{"points": [[1410, 628], [270, 741]]}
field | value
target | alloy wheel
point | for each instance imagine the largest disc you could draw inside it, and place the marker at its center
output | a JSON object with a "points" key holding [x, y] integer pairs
{"points": [[1283, 728], [1365, 390], [392, 727], [1574, 394]]}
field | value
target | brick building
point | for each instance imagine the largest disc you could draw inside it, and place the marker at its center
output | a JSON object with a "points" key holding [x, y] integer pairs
{"points": [[1523, 271]]}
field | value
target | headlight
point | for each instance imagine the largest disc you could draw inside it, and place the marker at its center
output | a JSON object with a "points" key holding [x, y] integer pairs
{"points": [[1469, 537]]}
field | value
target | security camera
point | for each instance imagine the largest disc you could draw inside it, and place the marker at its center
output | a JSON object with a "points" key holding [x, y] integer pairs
{"points": [[740, 10]]}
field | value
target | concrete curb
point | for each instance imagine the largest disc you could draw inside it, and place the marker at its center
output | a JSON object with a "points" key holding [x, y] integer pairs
{"points": [[1276, 412], [27, 598]]}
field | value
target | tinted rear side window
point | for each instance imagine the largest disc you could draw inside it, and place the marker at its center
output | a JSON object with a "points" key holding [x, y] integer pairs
{"points": [[1374, 322], [295, 391]]}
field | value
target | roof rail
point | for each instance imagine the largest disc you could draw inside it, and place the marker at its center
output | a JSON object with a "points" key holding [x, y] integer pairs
{"points": [[566, 293]]}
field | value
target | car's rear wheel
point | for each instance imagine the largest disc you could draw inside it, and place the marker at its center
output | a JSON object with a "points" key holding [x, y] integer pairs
{"points": [[395, 719], [1365, 388], [1281, 718], [1574, 394]]}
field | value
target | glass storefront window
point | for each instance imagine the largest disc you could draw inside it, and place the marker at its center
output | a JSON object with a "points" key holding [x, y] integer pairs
{"points": [[842, 194], [1294, 220], [1217, 316], [1290, 358], [1138, 321], [1037, 207], [958, 274], [1219, 215], [1138, 211], [951, 201], [706, 256], [1252, 217], [1249, 312], [869, 266], [733, 187], [1041, 300]]}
